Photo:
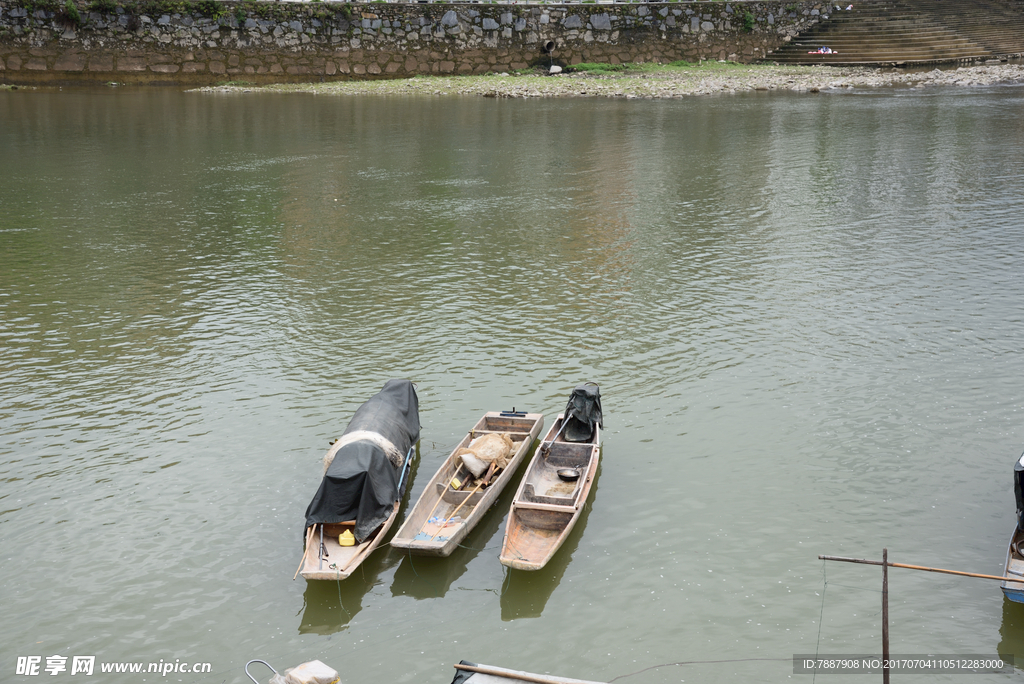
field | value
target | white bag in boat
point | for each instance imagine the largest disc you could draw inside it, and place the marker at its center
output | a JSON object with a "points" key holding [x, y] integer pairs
{"points": [[483, 451], [313, 672]]}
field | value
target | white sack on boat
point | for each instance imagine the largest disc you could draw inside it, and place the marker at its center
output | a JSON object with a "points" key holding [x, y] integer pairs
{"points": [[313, 672], [482, 451]]}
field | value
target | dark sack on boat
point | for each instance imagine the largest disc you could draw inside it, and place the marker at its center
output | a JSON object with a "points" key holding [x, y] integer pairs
{"points": [[1018, 489], [583, 412], [362, 483]]}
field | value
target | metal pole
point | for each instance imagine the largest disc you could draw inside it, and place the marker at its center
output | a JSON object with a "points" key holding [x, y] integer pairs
{"points": [[885, 616]]}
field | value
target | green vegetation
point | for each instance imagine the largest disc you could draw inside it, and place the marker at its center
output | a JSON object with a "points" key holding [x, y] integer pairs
{"points": [[240, 15], [596, 68], [748, 22], [236, 84], [103, 6], [70, 13], [651, 67]]}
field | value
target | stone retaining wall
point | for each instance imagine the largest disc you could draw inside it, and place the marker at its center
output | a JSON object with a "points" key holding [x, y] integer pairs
{"points": [[184, 42]]}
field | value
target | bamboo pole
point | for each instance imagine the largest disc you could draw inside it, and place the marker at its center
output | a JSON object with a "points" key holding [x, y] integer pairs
{"points": [[440, 497], [510, 675], [487, 477], [305, 549], [865, 561]]}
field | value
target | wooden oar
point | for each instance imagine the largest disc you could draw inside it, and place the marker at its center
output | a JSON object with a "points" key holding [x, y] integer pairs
{"points": [[490, 471], [441, 497], [509, 675], [865, 561], [304, 550]]}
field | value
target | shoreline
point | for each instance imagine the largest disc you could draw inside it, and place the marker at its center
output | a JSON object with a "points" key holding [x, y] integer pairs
{"points": [[655, 81]]}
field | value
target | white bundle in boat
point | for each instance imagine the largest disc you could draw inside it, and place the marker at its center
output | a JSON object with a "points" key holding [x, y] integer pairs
{"points": [[313, 672], [482, 451]]}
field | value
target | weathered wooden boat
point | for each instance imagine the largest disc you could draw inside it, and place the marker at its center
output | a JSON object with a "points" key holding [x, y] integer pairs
{"points": [[1015, 553], [444, 514], [1014, 567], [556, 485], [472, 673], [366, 472]]}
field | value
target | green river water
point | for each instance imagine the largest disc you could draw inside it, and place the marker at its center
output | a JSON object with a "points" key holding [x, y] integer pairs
{"points": [[806, 314]]}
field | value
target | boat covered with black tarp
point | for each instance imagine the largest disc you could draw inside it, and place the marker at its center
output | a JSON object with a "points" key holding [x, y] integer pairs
{"points": [[365, 476]]}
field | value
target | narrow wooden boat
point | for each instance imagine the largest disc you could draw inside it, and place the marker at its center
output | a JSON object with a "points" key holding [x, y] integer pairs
{"points": [[326, 559], [473, 673], [1015, 553], [546, 507], [1014, 567], [365, 475], [443, 516]]}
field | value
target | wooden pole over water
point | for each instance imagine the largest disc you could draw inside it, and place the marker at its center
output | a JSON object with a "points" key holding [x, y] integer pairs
{"points": [[865, 561], [885, 616]]}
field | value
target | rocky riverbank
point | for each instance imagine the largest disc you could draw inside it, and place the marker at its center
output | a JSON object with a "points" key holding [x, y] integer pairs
{"points": [[659, 81]]}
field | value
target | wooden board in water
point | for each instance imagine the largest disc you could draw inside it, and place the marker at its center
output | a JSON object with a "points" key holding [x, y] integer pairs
{"points": [[546, 508], [439, 500]]}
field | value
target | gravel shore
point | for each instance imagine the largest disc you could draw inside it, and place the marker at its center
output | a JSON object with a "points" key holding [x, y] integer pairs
{"points": [[660, 82]]}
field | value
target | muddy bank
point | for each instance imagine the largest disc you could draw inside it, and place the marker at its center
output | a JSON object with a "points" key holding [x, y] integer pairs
{"points": [[646, 81]]}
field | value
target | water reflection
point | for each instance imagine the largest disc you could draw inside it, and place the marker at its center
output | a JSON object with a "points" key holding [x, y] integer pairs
{"points": [[327, 607], [1011, 632], [525, 594]]}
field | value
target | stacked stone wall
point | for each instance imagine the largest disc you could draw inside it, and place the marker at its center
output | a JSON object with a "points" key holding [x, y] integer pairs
{"points": [[184, 42]]}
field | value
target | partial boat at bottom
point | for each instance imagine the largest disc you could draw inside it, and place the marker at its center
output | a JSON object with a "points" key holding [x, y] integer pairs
{"points": [[1014, 568], [1015, 553], [555, 488], [471, 673]]}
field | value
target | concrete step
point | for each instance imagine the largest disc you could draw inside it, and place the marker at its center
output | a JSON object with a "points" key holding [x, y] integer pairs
{"points": [[887, 31]]}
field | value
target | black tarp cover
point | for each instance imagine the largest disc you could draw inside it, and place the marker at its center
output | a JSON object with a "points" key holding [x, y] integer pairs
{"points": [[361, 484], [1018, 489], [583, 412]]}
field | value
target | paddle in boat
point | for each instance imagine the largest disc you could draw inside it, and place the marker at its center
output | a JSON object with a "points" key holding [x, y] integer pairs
{"points": [[465, 486], [1015, 553], [556, 485], [366, 472]]}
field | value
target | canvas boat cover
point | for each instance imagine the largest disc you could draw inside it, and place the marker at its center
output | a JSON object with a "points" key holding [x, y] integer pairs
{"points": [[506, 676], [362, 483], [1018, 489], [583, 412]]}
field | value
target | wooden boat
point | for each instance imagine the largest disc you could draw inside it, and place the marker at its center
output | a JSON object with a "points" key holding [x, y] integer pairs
{"points": [[366, 471], [546, 507], [1015, 553], [427, 530], [326, 559], [472, 673], [1014, 567]]}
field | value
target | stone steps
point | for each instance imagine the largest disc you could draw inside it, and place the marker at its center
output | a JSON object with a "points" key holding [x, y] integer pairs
{"points": [[911, 31]]}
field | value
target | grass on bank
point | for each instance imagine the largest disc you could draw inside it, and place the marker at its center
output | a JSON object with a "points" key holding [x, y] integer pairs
{"points": [[652, 67]]}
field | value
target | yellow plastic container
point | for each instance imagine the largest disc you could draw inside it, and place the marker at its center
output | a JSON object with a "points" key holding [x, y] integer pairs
{"points": [[346, 538]]}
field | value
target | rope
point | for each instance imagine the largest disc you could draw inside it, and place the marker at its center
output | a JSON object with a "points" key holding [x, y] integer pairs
{"points": [[702, 662]]}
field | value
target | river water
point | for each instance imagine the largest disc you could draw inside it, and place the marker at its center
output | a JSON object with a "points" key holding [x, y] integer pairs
{"points": [[805, 313]]}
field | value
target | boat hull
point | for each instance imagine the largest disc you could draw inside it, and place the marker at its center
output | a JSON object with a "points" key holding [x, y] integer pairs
{"points": [[546, 508], [1014, 567], [440, 501]]}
